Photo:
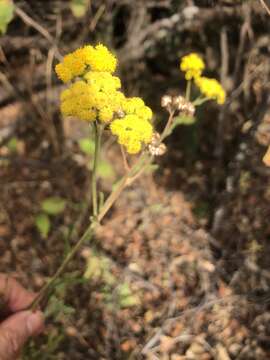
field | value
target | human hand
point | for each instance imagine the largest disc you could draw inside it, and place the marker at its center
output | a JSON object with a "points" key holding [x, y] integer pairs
{"points": [[20, 324]]}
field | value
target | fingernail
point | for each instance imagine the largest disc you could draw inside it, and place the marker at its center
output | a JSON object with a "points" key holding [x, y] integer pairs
{"points": [[35, 323]]}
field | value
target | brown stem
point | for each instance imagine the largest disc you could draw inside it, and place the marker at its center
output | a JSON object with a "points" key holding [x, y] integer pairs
{"points": [[165, 132]]}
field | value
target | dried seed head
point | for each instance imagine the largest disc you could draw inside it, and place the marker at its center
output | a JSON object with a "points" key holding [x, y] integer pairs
{"points": [[156, 148], [166, 101], [155, 141], [182, 105]]}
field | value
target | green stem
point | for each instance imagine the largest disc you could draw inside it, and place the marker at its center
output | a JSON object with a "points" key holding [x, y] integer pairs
{"points": [[86, 236], [200, 101], [134, 172], [98, 133], [188, 90], [167, 128]]}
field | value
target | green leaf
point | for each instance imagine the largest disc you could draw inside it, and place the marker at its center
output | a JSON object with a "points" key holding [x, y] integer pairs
{"points": [[105, 170], [53, 205], [79, 7], [87, 146], [151, 168], [98, 267], [12, 144], [57, 309], [125, 296], [183, 120], [6, 14], [43, 224]]}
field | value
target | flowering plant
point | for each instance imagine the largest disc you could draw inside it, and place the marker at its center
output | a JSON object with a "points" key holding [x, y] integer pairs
{"points": [[93, 95]]}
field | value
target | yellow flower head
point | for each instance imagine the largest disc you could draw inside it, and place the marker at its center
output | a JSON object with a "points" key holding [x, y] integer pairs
{"points": [[132, 131], [192, 65], [72, 65], [77, 101], [102, 81], [78, 62], [137, 107], [99, 58], [106, 97], [211, 88], [96, 96]]}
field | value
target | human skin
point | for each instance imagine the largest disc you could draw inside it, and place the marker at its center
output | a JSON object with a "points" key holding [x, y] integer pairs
{"points": [[18, 325]]}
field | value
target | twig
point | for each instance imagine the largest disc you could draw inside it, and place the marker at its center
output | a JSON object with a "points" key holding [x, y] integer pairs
{"points": [[124, 157], [265, 6], [96, 17], [29, 21]]}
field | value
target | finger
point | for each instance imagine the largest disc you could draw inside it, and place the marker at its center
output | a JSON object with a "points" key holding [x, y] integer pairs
{"points": [[15, 296], [16, 330]]}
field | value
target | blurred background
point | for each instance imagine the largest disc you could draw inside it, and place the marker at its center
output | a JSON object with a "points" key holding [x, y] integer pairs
{"points": [[180, 268]]}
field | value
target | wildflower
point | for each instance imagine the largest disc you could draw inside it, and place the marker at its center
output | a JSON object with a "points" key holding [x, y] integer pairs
{"points": [[105, 95], [132, 131], [96, 96], [77, 100], [192, 65], [99, 58], [211, 88], [102, 81], [75, 64], [136, 106], [72, 65]]}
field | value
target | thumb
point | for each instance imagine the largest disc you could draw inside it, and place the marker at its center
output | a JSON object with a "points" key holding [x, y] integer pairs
{"points": [[16, 330]]}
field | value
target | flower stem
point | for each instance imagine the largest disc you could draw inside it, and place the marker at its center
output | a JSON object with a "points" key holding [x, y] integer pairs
{"points": [[98, 133], [134, 172], [166, 130], [43, 292], [200, 101], [87, 234], [188, 90]]}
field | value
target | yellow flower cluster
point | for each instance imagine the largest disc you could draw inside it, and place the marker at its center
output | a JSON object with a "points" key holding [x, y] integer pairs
{"points": [[192, 65], [77, 101], [211, 88], [136, 106], [96, 96], [93, 58], [134, 129], [106, 98], [132, 132]]}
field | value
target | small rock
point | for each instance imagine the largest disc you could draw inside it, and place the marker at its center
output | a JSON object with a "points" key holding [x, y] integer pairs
{"points": [[222, 353]]}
